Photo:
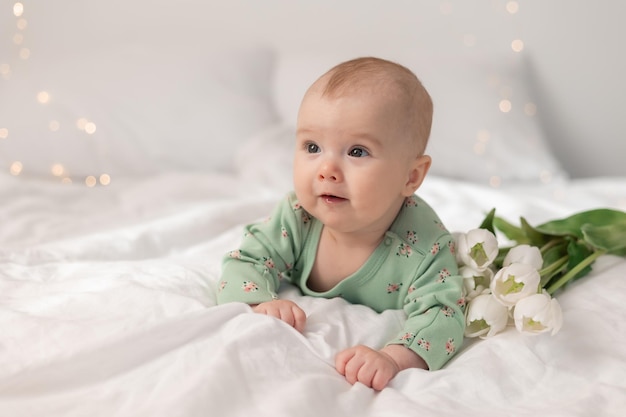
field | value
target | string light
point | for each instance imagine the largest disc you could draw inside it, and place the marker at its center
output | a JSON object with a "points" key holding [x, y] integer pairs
{"points": [[505, 106], [479, 148], [105, 179], [5, 71], [90, 181], [530, 109], [18, 38], [16, 168], [54, 125], [482, 138], [43, 97], [483, 135], [24, 53], [90, 128], [22, 24], [85, 125], [512, 7], [81, 123], [495, 181], [57, 170], [18, 9]]}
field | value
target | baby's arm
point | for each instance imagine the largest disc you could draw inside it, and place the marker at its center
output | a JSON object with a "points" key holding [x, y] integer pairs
{"points": [[375, 368], [267, 254], [432, 333]]}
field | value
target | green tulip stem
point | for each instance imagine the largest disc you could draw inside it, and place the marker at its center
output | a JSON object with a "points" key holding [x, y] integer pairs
{"points": [[552, 243], [551, 270], [575, 270]]}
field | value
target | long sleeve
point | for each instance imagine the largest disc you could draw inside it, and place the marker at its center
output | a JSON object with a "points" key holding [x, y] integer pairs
{"points": [[434, 306], [267, 255]]}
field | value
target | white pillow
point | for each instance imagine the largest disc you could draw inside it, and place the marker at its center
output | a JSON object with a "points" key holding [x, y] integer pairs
{"points": [[266, 160], [153, 109], [471, 138]]}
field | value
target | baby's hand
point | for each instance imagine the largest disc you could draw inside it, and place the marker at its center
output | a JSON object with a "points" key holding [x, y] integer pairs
{"points": [[286, 310], [375, 368], [367, 366]]}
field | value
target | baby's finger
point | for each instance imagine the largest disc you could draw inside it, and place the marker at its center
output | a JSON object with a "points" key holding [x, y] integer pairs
{"points": [[267, 309], [299, 318], [352, 368], [342, 359], [381, 378], [366, 374], [285, 314]]}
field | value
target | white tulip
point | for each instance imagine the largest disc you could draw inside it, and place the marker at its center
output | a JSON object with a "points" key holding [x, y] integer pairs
{"points": [[514, 282], [524, 254], [475, 282], [538, 313], [485, 317], [477, 248]]}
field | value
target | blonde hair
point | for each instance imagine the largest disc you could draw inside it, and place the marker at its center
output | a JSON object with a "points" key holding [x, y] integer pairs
{"points": [[367, 71]]}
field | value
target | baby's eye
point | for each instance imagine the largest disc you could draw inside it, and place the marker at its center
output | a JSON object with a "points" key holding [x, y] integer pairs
{"points": [[312, 148], [358, 152]]}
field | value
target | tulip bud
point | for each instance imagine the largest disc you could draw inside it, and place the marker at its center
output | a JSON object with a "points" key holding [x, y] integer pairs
{"points": [[477, 248], [475, 282], [524, 254], [538, 313], [485, 317], [514, 282]]}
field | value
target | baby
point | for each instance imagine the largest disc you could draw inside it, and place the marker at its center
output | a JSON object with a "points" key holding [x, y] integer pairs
{"points": [[353, 227]]}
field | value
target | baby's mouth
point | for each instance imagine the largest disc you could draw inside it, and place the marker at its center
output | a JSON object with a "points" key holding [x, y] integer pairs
{"points": [[332, 199]]}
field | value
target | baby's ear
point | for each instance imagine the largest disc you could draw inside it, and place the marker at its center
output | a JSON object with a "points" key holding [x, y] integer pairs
{"points": [[417, 172]]}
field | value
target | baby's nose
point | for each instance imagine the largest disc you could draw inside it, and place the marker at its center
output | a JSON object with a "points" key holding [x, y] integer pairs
{"points": [[323, 177], [329, 171]]}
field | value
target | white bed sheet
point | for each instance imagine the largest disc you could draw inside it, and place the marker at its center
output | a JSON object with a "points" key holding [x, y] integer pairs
{"points": [[107, 308]]}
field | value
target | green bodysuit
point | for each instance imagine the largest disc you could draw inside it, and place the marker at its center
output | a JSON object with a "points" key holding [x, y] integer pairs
{"points": [[413, 268]]}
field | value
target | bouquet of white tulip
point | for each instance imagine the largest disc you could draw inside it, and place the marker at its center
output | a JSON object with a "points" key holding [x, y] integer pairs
{"points": [[519, 281]]}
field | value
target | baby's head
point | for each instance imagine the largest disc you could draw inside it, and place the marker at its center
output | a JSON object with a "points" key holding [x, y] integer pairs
{"points": [[382, 80], [361, 134]]}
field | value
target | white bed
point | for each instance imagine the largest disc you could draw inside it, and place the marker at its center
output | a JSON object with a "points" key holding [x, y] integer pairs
{"points": [[111, 241], [107, 307]]}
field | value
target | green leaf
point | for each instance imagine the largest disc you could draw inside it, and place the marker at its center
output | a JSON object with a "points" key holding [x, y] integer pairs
{"points": [[555, 252], [535, 237], [578, 252], [611, 238], [573, 224], [509, 230], [488, 221]]}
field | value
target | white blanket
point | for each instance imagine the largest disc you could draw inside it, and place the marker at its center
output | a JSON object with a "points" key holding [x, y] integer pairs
{"points": [[107, 307]]}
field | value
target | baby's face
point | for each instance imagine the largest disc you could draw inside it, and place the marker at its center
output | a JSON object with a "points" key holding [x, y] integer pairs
{"points": [[352, 160]]}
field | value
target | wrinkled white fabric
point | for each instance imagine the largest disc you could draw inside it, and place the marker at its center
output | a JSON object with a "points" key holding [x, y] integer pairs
{"points": [[107, 308]]}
